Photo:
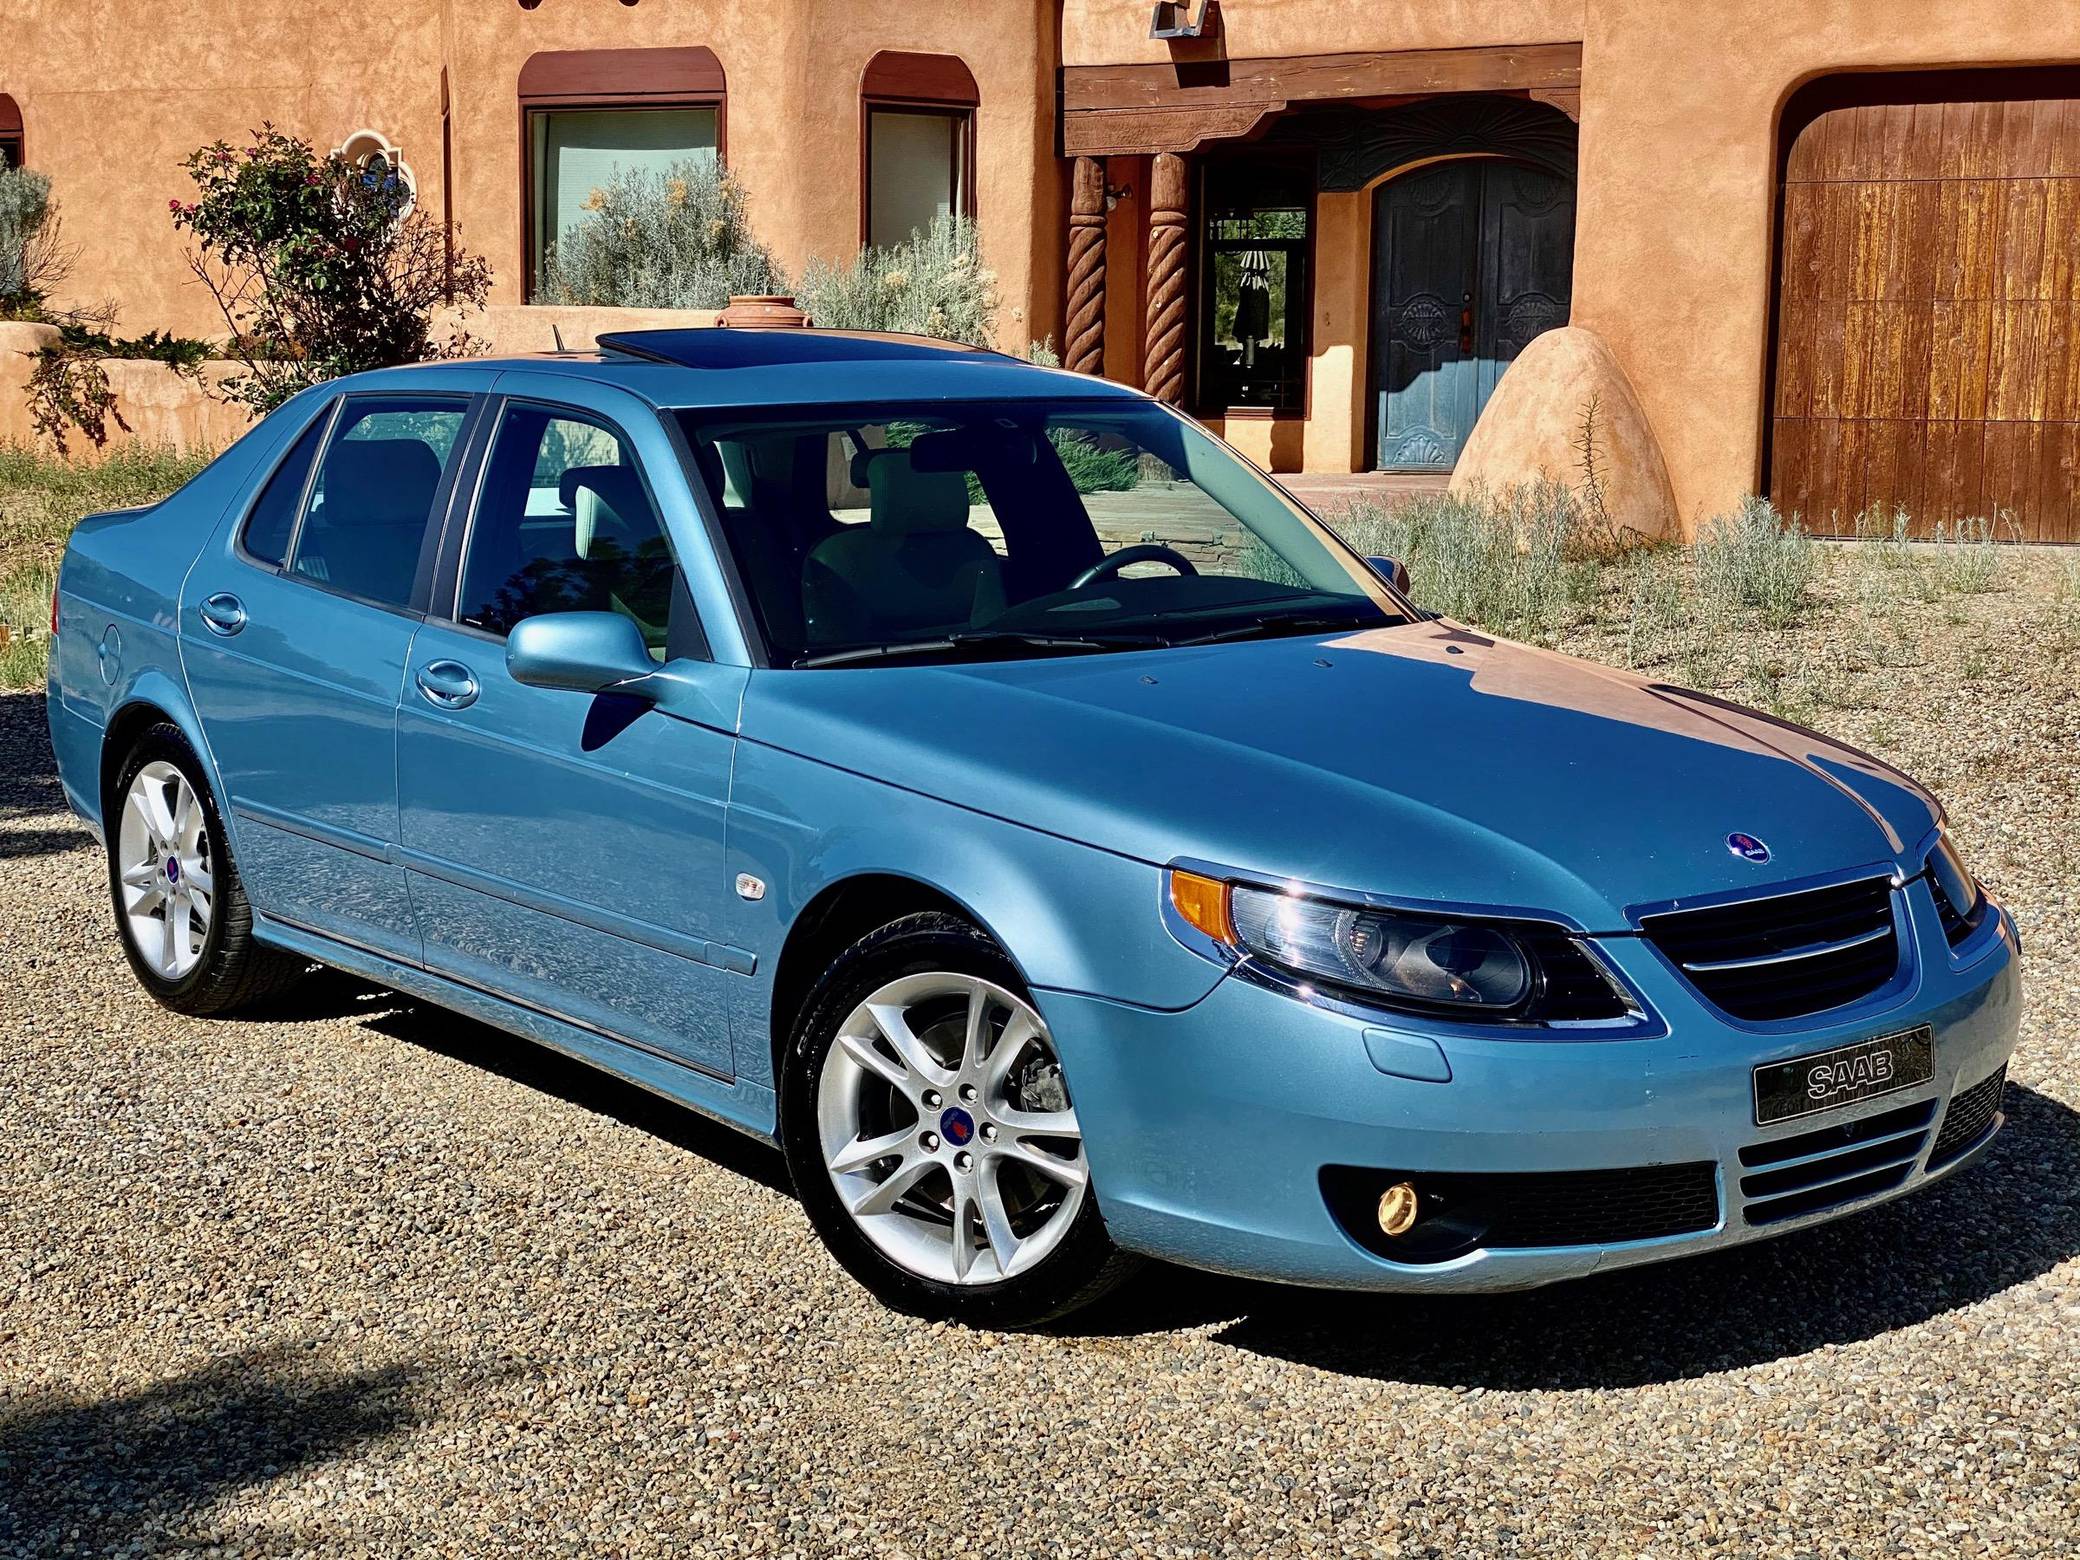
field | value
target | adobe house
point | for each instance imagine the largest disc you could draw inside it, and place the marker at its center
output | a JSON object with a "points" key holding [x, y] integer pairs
{"points": [[1824, 249]]}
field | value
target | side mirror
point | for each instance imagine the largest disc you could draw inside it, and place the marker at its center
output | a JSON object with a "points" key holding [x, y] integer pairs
{"points": [[584, 652], [1392, 571]]}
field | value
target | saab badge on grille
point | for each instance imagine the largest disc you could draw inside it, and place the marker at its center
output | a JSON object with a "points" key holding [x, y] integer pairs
{"points": [[1748, 848]]}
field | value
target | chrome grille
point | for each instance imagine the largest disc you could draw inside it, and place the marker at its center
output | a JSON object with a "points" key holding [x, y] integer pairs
{"points": [[1791, 1176], [1786, 955]]}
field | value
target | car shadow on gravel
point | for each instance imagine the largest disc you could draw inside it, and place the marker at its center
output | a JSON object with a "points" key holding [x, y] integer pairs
{"points": [[329, 995], [94, 1476], [1994, 1225]]}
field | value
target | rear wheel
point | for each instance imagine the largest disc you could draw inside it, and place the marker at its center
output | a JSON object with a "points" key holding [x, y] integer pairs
{"points": [[932, 1137], [182, 912]]}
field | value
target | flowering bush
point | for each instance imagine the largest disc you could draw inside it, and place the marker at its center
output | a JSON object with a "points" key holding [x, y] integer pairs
{"points": [[318, 267], [679, 239], [933, 285]]}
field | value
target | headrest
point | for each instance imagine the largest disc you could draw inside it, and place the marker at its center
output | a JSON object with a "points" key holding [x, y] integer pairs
{"points": [[379, 481], [903, 499], [586, 490]]}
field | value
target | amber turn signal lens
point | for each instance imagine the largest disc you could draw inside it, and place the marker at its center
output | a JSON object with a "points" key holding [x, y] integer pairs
{"points": [[1398, 1207], [1203, 902]]}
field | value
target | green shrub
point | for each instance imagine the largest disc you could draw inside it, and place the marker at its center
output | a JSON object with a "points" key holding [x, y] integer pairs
{"points": [[676, 239], [933, 285], [1968, 560], [1755, 558]]}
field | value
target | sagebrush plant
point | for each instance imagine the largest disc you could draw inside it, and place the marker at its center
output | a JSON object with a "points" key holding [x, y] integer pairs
{"points": [[1756, 558], [1504, 561], [34, 259], [318, 267], [935, 284], [679, 238]]}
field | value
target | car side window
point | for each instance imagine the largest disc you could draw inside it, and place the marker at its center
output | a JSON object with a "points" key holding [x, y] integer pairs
{"points": [[366, 521], [272, 519], [564, 523]]}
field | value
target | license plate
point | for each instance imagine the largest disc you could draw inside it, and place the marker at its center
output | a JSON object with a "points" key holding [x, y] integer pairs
{"points": [[1863, 1071]]}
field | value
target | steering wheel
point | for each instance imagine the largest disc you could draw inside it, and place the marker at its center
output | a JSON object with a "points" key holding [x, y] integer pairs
{"points": [[1140, 552]]}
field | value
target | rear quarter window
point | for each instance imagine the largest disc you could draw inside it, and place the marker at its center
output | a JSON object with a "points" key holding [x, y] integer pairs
{"points": [[272, 519]]}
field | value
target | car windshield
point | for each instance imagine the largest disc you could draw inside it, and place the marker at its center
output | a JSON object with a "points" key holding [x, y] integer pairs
{"points": [[969, 531]]}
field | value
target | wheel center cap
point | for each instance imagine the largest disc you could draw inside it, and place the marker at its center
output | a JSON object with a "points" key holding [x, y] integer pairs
{"points": [[173, 869], [956, 1126]]}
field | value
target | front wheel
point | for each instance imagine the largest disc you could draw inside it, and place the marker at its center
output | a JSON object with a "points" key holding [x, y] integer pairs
{"points": [[931, 1134]]}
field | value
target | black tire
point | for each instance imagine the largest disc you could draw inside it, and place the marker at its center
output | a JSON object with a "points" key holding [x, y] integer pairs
{"points": [[233, 971], [1079, 1271]]}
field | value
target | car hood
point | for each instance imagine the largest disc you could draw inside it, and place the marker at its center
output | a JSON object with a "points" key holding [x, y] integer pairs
{"points": [[1424, 760]]}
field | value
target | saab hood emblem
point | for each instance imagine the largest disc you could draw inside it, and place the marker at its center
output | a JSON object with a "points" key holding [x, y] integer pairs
{"points": [[1748, 848]]}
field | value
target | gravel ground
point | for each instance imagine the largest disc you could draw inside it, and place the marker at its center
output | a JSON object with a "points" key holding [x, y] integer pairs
{"points": [[361, 1277]]}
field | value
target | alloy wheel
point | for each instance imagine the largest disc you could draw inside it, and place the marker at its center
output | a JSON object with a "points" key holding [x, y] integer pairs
{"points": [[164, 863], [948, 1132]]}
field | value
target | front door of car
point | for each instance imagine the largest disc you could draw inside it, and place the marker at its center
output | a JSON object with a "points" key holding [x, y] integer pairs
{"points": [[565, 849], [294, 631]]}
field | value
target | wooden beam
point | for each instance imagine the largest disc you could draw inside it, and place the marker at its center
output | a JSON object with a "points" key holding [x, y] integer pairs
{"points": [[1122, 110]]}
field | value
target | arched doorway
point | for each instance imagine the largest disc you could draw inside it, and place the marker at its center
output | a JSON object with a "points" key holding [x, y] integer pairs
{"points": [[1473, 209], [1470, 260]]}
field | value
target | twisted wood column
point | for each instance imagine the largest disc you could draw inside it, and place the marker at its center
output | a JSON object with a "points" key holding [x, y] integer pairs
{"points": [[1083, 336], [1162, 364]]}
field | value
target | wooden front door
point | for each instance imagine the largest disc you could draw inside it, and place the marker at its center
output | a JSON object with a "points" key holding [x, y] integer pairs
{"points": [[1470, 260], [1928, 307]]}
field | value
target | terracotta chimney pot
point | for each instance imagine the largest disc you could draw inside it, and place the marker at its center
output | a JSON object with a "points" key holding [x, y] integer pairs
{"points": [[768, 310]]}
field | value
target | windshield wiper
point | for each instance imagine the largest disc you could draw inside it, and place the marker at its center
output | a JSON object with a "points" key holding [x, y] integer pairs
{"points": [[967, 638], [1281, 627]]}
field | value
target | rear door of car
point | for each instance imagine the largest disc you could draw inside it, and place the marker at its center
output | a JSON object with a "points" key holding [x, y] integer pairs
{"points": [[295, 625], [564, 849]]}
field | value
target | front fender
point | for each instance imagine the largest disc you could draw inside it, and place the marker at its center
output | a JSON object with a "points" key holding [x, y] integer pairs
{"points": [[1073, 918]]}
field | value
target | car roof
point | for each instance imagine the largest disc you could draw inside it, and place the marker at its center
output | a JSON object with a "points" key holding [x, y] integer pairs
{"points": [[738, 366]]}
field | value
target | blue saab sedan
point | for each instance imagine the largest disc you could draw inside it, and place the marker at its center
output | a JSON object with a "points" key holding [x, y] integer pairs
{"points": [[978, 780]]}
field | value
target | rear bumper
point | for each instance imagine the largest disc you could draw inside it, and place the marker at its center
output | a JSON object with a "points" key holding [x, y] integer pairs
{"points": [[76, 739], [1208, 1130]]}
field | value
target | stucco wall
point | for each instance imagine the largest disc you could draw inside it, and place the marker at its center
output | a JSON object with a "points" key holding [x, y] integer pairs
{"points": [[1115, 32], [114, 95], [1675, 228]]}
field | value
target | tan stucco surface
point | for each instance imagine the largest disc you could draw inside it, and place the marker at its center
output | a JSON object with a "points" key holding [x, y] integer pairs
{"points": [[1115, 32], [115, 94]]}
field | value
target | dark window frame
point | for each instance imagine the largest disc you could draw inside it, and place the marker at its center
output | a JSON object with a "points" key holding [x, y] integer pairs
{"points": [[1203, 247], [414, 606], [936, 85], [452, 568], [14, 137], [600, 80]]}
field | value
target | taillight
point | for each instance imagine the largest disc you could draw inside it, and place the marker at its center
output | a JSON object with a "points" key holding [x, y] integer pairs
{"points": [[54, 610]]}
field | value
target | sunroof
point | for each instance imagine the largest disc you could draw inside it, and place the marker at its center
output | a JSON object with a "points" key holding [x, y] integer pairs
{"points": [[737, 347]]}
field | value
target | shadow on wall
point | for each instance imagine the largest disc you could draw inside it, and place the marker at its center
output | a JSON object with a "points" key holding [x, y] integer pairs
{"points": [[92, 1477], [2008, 1219]]}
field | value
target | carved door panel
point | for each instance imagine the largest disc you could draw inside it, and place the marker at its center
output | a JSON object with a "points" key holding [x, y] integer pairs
{"points": [[1470, 261], [1424, 248]]}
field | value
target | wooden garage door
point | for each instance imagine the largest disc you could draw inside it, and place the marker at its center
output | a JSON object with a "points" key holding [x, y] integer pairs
{"points": [[1928, 303]]}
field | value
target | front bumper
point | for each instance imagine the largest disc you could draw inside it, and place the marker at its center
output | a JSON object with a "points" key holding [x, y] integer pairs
{"points": [[1207, 1130]]}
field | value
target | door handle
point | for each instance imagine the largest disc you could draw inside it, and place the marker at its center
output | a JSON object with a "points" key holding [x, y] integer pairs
{"points": [[448, 684], [223, 614]]}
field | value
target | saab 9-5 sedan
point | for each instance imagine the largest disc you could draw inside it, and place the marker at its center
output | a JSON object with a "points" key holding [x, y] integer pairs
{"points": [[980, 781]]}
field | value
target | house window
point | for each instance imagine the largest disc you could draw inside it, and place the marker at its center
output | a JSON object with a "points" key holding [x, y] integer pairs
{"points": [[590, 116], [381, 166], [918, 131], [1256, 290], [10, 132]]}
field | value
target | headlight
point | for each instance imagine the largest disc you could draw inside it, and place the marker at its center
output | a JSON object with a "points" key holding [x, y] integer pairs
{"points": [[1957, 891], [1412, 958]]}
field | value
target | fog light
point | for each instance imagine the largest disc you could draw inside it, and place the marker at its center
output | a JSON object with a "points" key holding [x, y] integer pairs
{"points": [[1397, 1209]]}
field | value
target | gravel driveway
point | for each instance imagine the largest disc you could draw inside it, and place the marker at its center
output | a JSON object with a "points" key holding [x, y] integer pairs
{"points": [[364, 1277]]}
